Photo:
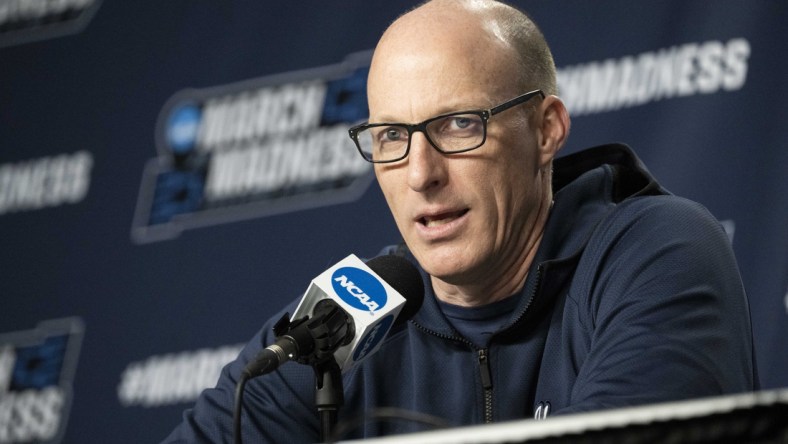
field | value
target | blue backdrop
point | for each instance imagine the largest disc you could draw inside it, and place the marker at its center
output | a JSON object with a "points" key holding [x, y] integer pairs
{"points": [[171, 173]]}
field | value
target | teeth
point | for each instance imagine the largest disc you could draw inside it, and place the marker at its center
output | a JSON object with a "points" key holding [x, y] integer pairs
{"points": [[437, 222], [443, 219]]}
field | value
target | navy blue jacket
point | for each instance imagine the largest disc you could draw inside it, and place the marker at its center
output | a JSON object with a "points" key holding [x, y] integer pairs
{"points": [[634, 297]]}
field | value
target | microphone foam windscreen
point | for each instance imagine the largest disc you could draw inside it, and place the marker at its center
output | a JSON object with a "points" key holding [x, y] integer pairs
{"points": [[405, 278]]}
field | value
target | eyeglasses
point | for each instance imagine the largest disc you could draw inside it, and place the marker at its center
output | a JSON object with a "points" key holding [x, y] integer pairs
{"points": [[456, 132]]}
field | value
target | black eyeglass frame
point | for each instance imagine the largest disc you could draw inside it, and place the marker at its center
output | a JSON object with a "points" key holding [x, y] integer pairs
{"points": [[485, 115]]}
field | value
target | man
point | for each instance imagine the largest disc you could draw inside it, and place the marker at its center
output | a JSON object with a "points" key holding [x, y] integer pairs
{"points": [[547, 292]]}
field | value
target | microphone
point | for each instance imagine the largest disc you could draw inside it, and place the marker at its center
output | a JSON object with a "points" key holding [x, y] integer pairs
{"points": [[345, 312]]}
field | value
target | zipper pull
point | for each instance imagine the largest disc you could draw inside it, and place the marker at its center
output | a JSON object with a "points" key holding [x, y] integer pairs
{"points": [[484, 368]]}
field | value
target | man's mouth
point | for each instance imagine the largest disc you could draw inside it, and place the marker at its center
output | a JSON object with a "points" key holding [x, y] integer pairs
{"points": [[441, 219]]}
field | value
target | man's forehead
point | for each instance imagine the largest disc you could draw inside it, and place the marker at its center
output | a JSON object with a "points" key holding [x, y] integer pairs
{"points": [[416, 87], [435, 60], [413, 88]]}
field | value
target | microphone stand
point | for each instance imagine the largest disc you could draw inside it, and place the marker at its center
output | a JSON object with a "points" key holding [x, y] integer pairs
{"points": [[327, 329], [329, 395]]}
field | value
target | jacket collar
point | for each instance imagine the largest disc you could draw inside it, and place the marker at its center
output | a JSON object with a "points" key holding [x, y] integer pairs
{"points": [[587, 186]]}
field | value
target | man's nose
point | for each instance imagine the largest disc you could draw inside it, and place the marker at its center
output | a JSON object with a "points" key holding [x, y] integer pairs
{"points": [[426, 165]]}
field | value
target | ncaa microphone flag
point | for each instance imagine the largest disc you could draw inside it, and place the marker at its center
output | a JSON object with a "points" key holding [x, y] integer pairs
{"points": [[371, 302]]}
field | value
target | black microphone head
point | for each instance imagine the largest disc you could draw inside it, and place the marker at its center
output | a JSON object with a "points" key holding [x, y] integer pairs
{"points": [[405, 278]]}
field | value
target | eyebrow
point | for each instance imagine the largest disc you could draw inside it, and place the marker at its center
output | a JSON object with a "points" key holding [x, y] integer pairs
{"points": [[441, 111]]}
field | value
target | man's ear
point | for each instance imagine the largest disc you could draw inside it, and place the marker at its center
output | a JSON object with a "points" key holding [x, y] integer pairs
{"points": [[553, 128]]}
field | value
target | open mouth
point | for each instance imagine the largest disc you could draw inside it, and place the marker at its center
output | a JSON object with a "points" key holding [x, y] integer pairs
{"points": [[441, 219]]}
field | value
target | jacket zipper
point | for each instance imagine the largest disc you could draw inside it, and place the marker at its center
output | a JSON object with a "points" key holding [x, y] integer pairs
{"points": [[483, 354], [484, 369]]}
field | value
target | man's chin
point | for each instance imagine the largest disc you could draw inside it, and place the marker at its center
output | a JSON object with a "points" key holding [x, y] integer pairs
{"points": [[447, 268]]}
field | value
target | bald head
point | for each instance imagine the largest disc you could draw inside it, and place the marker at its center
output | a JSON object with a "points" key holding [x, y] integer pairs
{"points": [[481, 28]]}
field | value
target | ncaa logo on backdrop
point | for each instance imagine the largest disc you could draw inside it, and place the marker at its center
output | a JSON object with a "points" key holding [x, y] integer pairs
{"points": [[359, 289], [255, 148], [36, 375]]}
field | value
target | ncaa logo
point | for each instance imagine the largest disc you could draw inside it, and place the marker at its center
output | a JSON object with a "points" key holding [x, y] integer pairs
{"points": [[370, 341], [359, 289], [183, 127]]}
